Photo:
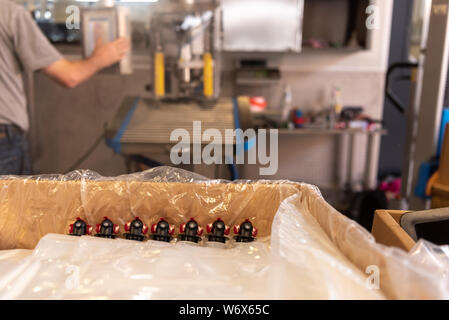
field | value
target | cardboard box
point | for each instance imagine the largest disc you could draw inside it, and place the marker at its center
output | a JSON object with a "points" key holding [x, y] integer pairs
{"points": [[440, 195], [33, 207], [388, 231], [29, 209]]}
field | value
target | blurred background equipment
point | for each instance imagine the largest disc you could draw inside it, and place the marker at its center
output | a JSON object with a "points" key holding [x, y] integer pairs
{"points": [[185, 40], [185, 43], [310, 69]]}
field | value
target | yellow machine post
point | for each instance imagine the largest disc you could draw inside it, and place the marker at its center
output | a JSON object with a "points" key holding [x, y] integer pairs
{"points": [[159, 74], [208, 75]]}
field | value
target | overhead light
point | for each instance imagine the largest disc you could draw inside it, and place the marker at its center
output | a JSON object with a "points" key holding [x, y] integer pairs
{"points": [[128, 1], [47, 15], [138, 1]]}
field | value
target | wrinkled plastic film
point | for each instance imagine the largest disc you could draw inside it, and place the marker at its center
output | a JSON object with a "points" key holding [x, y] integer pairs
{"points": [[34, 206], [305, 248], [401, 275], [64, 267]]}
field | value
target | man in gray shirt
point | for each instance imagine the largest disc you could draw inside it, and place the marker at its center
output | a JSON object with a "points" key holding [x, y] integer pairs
{"points": [[24, 47]]}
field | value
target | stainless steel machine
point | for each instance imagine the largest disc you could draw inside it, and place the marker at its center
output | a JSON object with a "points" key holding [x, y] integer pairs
{"points": [[185, 40], [185, 45]]}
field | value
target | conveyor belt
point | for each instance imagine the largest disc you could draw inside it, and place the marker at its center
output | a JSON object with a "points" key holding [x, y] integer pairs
{"points": [[152, 122]]}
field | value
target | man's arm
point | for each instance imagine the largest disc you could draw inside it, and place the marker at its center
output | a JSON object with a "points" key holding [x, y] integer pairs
{"points": [[72, 73]]}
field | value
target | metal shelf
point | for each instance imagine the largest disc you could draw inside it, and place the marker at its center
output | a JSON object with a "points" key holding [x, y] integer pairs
{"points": [[312, 131]]}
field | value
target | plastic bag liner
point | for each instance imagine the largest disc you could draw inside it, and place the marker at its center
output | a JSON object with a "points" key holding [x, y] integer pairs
{"points": [[305, 249]]}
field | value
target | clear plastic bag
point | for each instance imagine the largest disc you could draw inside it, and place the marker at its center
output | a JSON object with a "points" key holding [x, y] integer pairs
{"points": [[305, 249]]}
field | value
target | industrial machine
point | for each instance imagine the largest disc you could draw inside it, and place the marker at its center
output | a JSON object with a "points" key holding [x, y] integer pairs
{"points": [[185, 40], [185, 44]]}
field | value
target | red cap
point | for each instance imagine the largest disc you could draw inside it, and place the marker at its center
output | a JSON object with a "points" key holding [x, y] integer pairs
{"points": [[209, 228], [153, 227]]}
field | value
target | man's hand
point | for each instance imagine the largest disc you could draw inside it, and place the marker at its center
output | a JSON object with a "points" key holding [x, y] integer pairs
{"points": [[72, 73], [106, 54]]}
